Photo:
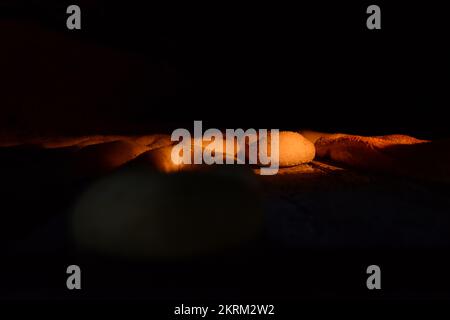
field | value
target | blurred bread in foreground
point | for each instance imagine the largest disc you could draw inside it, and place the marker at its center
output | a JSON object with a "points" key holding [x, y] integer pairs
{"points": [[145, 214]]}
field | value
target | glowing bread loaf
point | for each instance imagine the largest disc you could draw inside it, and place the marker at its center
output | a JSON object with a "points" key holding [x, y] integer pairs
{"points": [[160, 158], [294, 149]]}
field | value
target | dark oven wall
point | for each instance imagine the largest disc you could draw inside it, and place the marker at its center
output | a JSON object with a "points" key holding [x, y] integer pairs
{"points": [[150, 67]]}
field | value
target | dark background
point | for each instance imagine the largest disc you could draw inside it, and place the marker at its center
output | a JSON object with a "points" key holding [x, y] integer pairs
{"points": [[149, 67]]}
